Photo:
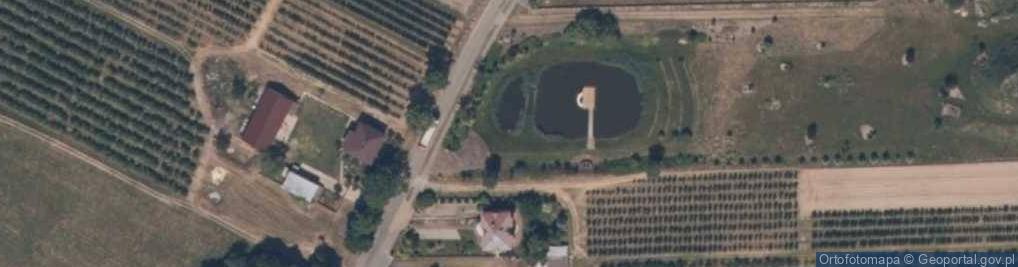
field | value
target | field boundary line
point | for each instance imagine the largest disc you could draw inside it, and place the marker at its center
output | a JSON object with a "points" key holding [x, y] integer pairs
{"points": [[75, 153], [138, 25]]}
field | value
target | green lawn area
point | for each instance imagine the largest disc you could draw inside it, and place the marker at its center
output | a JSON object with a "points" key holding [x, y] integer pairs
{"points": [[657, 64], [900, 102], [316, 139], [467, 246], [57, 211]]}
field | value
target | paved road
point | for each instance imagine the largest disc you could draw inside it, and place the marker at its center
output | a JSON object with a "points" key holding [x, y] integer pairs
{"points": [[398, 212]]}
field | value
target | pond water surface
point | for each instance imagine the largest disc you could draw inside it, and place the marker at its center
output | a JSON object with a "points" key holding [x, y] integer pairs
{"points": [[617, 108]]}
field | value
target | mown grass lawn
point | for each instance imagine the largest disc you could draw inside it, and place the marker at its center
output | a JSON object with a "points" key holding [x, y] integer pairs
{"points": [[317, 138]]}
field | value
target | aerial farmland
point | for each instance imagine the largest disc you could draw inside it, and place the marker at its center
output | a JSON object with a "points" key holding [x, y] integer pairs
{"points": [[504, 132]]}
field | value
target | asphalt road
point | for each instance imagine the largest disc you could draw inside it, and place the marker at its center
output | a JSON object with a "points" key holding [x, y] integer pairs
{"points": [[400, 208]]}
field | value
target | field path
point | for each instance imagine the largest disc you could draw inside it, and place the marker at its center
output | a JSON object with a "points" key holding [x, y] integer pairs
{"points": [[168, 200], [562, 16], [949, 185], [257, 33]]}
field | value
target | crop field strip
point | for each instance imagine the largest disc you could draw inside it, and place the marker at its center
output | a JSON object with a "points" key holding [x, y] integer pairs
{"points": [[851, 229], [347, 52], [700, 213], [424, 22], [72, 70], [585, 3], [223, 23]]}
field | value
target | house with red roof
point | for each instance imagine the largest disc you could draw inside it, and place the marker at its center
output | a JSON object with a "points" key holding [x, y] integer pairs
{"points": [[365, 139], [270, 111]]}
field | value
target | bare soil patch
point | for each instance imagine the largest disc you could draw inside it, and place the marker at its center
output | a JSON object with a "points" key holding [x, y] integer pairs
{"points": [[259, 206], [470, 157]]}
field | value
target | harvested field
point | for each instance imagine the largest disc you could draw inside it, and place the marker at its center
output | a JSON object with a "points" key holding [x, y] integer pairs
{"points": [[101, 86], [968, 185], [347, 52], [193, 23], [59, 211]]}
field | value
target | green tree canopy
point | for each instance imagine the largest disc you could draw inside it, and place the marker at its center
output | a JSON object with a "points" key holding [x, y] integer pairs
{"points": [[492, 168], [273, 252], [422, 111], [439, 61], [426, 199], [592, 23]]}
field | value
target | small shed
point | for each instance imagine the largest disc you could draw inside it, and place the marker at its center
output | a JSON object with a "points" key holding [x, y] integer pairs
{"points": [[301, 186]]}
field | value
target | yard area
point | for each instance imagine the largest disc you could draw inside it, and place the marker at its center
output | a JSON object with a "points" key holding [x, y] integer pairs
{"points": [[58, 211], [318, 136]]}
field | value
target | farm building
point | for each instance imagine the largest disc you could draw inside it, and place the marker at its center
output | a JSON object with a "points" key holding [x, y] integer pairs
{"points": [[301, 185], [365, 139], [494, 232], [272, 108]]}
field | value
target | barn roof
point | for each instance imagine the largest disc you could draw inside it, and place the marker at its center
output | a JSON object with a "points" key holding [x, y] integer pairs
{"points": [[268, 115]]}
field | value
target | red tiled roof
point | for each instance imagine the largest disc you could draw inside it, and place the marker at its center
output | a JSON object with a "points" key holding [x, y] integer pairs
{"points": [[268, 115], [498, 220], [365, 140]]}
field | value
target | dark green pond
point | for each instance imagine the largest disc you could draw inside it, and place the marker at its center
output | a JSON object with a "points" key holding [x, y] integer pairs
{"points": [[618, 100], [511, 107]]}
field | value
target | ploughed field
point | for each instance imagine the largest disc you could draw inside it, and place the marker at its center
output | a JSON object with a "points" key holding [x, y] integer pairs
{"points": [[618, 100], [106, 88], [223, 23]]}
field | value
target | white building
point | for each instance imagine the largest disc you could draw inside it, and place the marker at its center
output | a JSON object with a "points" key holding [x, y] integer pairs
{"points": [[300, 186]]}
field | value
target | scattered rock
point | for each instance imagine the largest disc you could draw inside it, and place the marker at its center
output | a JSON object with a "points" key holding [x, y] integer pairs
{"points": [[772, 104], [950, 110], [748, 88], [909, 57], [955, 92], [867, 131], [215, 197]]}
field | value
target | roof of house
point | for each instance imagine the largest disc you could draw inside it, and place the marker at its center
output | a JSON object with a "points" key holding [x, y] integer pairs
{"points": [[365, 139], [268, 115], [494, 241], [300, 186], [498, 220]]}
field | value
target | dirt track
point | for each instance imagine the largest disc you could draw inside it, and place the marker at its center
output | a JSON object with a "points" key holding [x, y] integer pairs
{"points": [[910, 186], [562, 16]]}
